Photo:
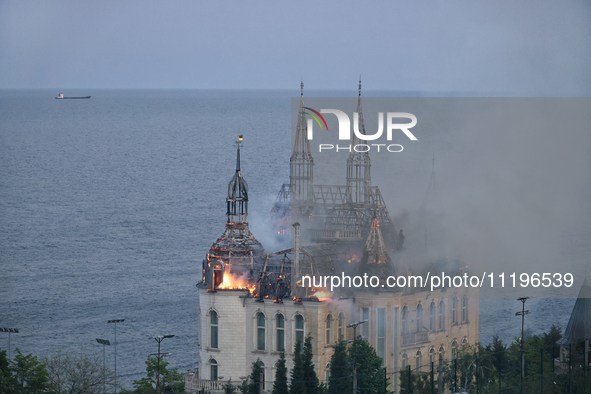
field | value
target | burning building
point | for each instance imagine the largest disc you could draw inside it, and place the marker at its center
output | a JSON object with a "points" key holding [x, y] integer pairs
{"points": [[252, 304]]}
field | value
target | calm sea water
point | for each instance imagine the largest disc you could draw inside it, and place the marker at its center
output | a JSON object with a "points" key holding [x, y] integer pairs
{"points": [[108, 206]]}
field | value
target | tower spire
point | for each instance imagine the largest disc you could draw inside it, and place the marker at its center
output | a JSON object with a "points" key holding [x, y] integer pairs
{"points": [[358, 163], [301, 162]]}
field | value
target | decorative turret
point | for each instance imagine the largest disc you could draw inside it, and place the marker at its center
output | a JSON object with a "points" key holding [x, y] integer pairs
{"points": [[301, 162], [375, 260], [358, 163], [237, 252]]}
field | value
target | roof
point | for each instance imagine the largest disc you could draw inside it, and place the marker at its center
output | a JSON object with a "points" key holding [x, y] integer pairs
{"points": [[579, 324]]}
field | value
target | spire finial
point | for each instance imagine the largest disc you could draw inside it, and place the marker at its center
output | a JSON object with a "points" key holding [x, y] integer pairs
{"points": [[238, 143], [302, 87], [360, 84]]}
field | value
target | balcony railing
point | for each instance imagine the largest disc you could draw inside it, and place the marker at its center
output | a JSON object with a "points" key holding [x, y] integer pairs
{"points": [[415, 338]]}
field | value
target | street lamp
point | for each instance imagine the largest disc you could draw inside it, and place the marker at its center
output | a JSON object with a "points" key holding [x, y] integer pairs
{"points": [[115, 321], [522, 314], [354, 325], [159, 339], [104, 342], [9, 331]]}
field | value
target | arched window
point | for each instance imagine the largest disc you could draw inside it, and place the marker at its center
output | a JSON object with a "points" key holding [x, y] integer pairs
{"points": [[213, 369], [405, 320], [454, 310], [441, 352], [260, 331], [280, 333], [404, 360], [341, 325], [418, 360], [465, 309], [432, 316], [432, 355], [299, 329], [464, 341], [328, 329], [213, 329], [454, 350], [419, 317], [327, 374], [263, 371], [441, 315]]}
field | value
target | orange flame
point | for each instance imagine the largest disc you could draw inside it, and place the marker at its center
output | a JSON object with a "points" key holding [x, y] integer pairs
{"points": [[232, 283]]}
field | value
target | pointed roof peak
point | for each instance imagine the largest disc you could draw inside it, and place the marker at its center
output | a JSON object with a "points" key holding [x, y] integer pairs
{"points": [[359, 85], [238, 143]]}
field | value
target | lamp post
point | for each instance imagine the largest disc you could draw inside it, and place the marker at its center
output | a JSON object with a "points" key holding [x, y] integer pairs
{"points": [[9, 331], [522, 314], [115, 323], [354, 325], [104, 342], [159, 339]]}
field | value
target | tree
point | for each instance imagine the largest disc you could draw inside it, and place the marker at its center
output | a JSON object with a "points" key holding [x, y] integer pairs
{"points": [[340, 370], [310, 377], [280, 384], [370, 373], [77, 374], [7, 379], [171, 381], [251, 385], [229, 387], [31, 375], [298, 383]]}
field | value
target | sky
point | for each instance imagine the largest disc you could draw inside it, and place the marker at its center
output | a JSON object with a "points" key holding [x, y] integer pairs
{"points": [[526, 48]]}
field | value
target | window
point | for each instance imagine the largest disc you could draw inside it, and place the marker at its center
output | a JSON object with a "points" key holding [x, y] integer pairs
{"points": [[432, 355], [327, 374], [365, 326], [454, 310], [213, 329], [419, 317], [418, 360], [441, 315], [405, 320], [260, 331], [404, 360], [454, 350], [465, 309], [328, 329], [441, 352], [280, 333], [213, 369], [381, 332], [464, 341], [264, 374], [299, 329], [341, 325], [432, 316]]}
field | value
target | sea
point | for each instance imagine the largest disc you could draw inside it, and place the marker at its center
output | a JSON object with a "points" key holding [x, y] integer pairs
{"points": [[109, 205]]}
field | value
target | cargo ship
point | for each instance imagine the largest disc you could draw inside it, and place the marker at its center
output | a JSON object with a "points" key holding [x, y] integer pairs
{"points": [[61, 96]]}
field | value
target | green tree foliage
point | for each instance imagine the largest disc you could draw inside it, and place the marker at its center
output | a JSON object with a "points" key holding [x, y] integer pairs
{"points": [[298, 376], [280, 384], [7, 379], [251, 385], [370, 373], [30, 374], [340, 370], [310, 377], [171, 381], [229, 387]]}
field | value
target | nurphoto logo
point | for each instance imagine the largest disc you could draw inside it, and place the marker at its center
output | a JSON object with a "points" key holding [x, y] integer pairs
{"points": [[345, 130]]}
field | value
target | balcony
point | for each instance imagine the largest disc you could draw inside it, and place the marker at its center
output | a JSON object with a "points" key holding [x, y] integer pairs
{"points": [[415, 338]]}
